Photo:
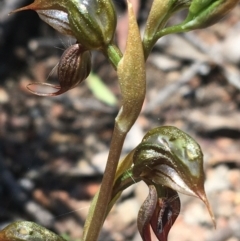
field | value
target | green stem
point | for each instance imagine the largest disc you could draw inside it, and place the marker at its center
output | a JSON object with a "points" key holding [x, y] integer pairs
{"points": [[96, 216], [99, 205], [148, 46], [114, 55]]}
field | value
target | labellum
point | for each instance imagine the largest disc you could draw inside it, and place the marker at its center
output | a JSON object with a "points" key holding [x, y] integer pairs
{"points": [[74, 66], [166, 213], [159, 212], [146, 212]]}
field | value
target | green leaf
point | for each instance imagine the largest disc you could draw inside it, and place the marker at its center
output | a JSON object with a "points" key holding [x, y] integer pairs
{"points": [[100, 90], [27, 231]]}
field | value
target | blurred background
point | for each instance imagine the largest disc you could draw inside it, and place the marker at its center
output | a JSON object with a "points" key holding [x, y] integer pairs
{"points": [[53, 149]]}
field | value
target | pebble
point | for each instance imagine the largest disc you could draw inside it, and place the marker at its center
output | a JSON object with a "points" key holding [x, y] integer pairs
{"points": [[133, 138], [217, 180], [99, 161], [196, 214], [231, 47], [179, 47], [128, 211], [4, 97], [165, 62]]}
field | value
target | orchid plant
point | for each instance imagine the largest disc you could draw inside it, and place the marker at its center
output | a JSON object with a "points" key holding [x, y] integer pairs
{"points": [[167, 159]]}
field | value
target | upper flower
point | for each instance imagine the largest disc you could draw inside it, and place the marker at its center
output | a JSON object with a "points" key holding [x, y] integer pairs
{"points": [[91, 22]]}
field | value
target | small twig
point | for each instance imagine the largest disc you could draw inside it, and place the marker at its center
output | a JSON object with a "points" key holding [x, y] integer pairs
{"points": [[230, 71], [168, 91]]}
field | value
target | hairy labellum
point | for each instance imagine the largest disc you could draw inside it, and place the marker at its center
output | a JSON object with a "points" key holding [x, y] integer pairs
{"points": [[166, 213], [159, 211], [74, 66]]}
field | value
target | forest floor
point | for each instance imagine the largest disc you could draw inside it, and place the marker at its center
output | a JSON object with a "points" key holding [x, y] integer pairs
{"points": [[53, 150]]}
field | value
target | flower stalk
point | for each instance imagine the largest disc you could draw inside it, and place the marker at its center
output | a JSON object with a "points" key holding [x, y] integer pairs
{"points": [[130, 69]]}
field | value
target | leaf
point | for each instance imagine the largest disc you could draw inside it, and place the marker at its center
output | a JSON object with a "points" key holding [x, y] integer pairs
{"points": [[27, 231], [100, 90], [205, 13]]}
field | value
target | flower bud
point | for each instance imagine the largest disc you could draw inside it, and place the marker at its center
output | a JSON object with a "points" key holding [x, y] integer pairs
{"points": [[160, 13], [74, 66], [202, 14], [205, 13]]}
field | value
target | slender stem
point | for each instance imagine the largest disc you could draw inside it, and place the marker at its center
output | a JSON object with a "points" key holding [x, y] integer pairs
{"points": [[95, 221], [98, 209], [147, 46], [113, 54]]}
